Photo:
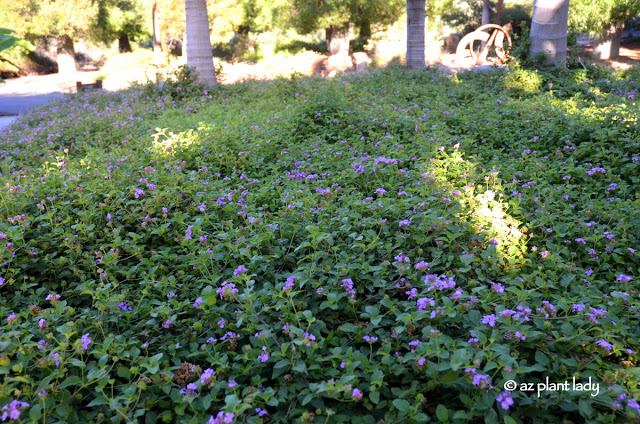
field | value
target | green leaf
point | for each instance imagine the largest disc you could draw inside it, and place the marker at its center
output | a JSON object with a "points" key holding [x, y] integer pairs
{"points": [[442, 413], [74, 380], [300, 367], [348, 328], [584, 406], [374, 397], [402, 405], [35, 412], [541, 358], [124, 372], [459, 359], [509, 420], [308, 398]]}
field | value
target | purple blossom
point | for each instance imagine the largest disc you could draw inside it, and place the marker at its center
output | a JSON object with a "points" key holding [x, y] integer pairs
{"points": [[170, 295], [231, 384], [439, 282], [489, 320], [347, 283], [505, 400], [12, 410], [380, 191], [404, 223], [53, 297], [623, 278], [188, 233], [597, 169], [481, 380], [401, 257], [197, 303], [369, 339], [86, 341], [497, 287], [239, 270], [421, 265], [577, 307], [190, 390], [423, 302], [356, 394], [309, 338], [289, 284], [222, 417], [264, 356], [124, 306], [227, 291], [604, 344], [167, 324]]}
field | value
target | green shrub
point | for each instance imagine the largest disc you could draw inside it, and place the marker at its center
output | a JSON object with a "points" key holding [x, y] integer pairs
{"points": [[523, 80], [392, 246]]}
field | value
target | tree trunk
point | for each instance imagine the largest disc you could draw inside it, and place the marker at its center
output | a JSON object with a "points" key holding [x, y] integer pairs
{"points": [[66, 55], [338, 44], [124, 46], [416, 14], [549, 30], [486, 12], [328, 35], [157, 44], [607, 45], [199, 52], [499, 12]]}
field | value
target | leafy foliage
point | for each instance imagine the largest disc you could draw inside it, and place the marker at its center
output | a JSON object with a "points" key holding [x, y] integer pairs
{"points": [[8, 41], [390, 246], [597, 16]]}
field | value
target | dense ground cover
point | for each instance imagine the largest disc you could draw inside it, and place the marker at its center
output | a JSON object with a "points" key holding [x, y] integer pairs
{"points": [[388, 247]]}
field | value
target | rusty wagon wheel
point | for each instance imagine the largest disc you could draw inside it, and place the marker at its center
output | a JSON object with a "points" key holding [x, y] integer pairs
{"points": [[478, 43]]}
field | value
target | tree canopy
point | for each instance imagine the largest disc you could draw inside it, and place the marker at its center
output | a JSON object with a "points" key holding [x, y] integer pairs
{"points": [[597, 16]]}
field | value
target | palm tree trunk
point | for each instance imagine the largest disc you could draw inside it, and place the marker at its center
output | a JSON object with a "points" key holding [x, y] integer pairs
{"points": [[416, 13], [607, 45], [549, 30], [157, 44], [199, 52]]}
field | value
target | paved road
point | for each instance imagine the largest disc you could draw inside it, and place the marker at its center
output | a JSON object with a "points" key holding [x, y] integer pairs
{"points": [[13, 104]]}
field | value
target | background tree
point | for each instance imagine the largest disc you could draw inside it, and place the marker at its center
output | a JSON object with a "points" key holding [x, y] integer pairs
{"points": [[416, 14], [199, 52], [58, 22], [336, 17], [549, 30], [8, 41], [122, 20], [605, 20]]}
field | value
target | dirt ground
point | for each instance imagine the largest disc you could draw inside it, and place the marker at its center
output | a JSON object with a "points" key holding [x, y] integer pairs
{"points": [[306, 63]]}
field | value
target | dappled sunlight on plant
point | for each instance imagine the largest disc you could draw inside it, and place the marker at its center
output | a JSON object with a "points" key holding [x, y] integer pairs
{"points": [[167, 144], [490, 218]]}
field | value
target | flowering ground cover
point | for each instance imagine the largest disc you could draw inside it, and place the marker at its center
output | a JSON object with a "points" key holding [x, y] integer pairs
{"points": [[384, 247]]}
